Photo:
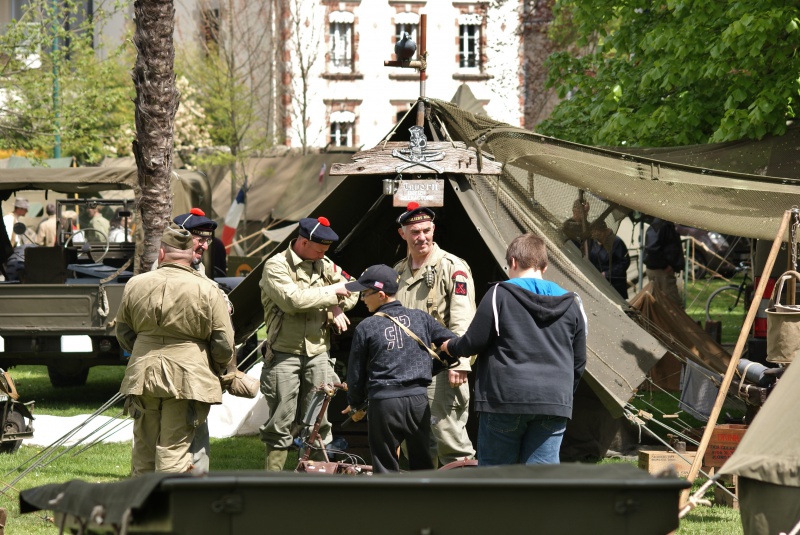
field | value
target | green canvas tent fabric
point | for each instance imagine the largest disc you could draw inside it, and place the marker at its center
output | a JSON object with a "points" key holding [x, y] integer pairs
{"points": [[694, 194], [767, 461], [19, 162], [281, 188], [465, 99]]}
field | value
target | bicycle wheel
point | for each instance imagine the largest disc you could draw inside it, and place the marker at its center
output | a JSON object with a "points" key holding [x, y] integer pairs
{"points": [[726, 305]]}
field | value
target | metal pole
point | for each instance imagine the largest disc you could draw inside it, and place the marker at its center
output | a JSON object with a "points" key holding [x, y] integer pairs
{"points": [[422, 53], [56, 106]]}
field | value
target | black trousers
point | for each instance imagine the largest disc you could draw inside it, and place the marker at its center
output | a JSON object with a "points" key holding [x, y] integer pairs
{"points": [[393, 420]]}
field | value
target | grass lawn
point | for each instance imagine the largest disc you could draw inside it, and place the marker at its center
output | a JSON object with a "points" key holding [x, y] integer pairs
{"points": [[698, 293]]}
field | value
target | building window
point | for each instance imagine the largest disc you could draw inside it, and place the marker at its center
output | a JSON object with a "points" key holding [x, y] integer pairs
{"points": [[341, 41], [469, 41], [342, 128]]}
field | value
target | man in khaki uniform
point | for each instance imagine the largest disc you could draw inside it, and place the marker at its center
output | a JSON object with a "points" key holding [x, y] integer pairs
{"points": [[176, 326], [300, 289], [441, 284], [46, 233], [202, 230]]}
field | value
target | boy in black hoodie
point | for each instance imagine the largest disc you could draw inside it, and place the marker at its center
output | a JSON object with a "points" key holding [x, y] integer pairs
{"points": [[530, 337], [392, 370]]}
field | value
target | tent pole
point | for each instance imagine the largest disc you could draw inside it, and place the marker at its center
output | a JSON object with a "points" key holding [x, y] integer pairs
{"points": [[737, 353]]}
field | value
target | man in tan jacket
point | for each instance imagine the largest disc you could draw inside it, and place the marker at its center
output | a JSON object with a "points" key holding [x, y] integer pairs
{"points": [[176, 326], [441, 284], [46, 233], [304, 296]]}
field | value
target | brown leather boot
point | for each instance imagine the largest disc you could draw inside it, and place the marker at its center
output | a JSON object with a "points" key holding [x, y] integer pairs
{"points": [[275, 459]]}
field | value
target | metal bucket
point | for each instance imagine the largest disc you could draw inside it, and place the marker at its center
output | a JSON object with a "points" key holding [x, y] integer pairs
{"points": [[783, 325]]}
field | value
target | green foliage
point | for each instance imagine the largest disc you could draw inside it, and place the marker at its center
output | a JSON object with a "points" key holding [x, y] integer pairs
{"points": [[58, 81], [57, 85], [220, 84], [675, 73]]}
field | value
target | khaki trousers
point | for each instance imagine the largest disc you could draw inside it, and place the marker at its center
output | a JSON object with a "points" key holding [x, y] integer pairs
{"points": [[449, 412], [162, 433], [286, 382]]}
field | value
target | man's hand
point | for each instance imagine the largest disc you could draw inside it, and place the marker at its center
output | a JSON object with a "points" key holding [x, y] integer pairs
{"points": [[457, 377], [443, 347], [339, 289], [340, 320], [356, 416]]}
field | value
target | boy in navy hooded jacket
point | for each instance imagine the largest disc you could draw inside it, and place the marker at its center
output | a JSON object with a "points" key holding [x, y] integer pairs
{"points": [[530, 337]]}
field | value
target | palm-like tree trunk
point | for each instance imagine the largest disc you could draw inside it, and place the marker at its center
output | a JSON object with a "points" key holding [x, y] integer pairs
{"points": [[156, 103]]}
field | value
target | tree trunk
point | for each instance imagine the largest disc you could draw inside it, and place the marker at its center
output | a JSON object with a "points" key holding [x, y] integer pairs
{"points": [[537, 46], [156, 103]]}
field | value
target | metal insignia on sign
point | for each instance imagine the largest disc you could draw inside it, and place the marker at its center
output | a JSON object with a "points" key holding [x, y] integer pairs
{"points": [[416, 154]]}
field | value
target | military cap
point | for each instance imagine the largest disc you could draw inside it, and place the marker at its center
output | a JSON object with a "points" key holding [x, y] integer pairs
{"points": [[415, 214], [196, 222], [22, 202], [318, 230], [379, 277], [177, 237]]}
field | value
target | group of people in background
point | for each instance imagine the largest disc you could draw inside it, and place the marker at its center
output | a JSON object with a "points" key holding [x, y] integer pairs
{"points": [[527, 375], [99, 229], [527, 338], [663, 252]]}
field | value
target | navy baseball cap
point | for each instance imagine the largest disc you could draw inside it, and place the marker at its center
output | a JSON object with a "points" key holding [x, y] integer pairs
{"points": [[196, 222], [379, 277], [415, 214], [317, 230]]}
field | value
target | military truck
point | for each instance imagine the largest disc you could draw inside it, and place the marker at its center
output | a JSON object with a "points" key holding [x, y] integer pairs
{"points": [[58, 303]]}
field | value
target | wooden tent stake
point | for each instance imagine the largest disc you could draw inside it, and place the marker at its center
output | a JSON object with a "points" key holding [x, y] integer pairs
{"points": [[737, 353]]}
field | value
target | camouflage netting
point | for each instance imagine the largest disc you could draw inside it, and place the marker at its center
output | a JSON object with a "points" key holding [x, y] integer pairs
{"points": [[550, 172]]}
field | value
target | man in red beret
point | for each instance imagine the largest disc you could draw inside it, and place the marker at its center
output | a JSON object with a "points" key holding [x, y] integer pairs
{"points": [[441, 284]]}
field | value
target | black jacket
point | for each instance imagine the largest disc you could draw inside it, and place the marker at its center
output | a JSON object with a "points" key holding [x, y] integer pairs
{"points": [[612, 260], [534, 364], [662, 246], [387, 363]]}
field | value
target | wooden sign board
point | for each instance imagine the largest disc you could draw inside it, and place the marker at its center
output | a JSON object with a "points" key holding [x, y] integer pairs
{"points": [[437, 158], [423, 192]]}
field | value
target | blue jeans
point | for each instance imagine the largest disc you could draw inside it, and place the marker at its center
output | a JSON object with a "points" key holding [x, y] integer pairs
{"points": [[519, 438]]}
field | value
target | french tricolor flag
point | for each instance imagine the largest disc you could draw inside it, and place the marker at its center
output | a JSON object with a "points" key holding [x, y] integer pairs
{"points": [[233, 216]]}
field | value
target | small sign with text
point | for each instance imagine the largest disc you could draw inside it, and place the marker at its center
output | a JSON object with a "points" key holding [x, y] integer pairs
{"points": [[424, 192]]}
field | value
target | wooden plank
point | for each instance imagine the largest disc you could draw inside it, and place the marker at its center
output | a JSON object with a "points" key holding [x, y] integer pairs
{"points": [[449, 157]]}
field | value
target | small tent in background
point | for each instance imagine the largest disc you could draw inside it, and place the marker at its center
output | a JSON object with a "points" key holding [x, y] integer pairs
{"points": [[767, 461], [465, 99], [282, 188]]}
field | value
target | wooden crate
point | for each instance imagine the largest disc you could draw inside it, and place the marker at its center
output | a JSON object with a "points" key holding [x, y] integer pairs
{"points": [[655, 460], [731, 482], [723, 443]]}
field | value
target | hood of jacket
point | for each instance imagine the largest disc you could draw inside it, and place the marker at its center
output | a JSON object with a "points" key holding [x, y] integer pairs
{"points": [[549, 305]]}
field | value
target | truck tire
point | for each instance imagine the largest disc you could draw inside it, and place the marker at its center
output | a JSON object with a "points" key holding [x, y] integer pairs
{"points": [[15, 423], [61, 377]]}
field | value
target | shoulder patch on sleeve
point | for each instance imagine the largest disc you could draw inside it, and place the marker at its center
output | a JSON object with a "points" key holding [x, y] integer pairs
{"points": [[459, 272], [460, 288]]}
